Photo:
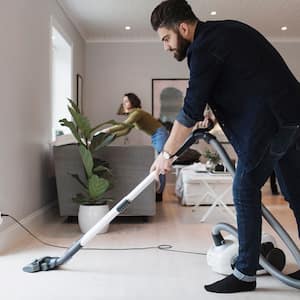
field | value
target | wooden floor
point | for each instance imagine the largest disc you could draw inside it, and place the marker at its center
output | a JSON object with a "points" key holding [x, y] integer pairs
{"points": [[136, 274]]}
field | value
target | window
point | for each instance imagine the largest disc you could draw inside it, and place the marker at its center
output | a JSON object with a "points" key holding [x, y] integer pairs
{"points": [[61, 77]]}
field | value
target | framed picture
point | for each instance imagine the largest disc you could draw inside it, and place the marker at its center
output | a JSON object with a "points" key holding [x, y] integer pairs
{"points": [[79, 91], [167, 98]]}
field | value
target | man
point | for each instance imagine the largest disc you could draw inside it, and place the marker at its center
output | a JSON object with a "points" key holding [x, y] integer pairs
{"points": [[256, 100]]}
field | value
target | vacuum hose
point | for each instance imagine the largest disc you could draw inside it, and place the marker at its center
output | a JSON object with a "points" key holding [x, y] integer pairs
{"points": [[219, 240], [216, 232]]}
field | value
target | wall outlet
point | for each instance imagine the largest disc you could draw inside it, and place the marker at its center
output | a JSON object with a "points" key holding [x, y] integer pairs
{"points": [[1, 219]]}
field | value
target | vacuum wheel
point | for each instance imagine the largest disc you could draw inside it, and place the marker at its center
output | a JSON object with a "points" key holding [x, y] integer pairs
{"points": [[274, 256]]}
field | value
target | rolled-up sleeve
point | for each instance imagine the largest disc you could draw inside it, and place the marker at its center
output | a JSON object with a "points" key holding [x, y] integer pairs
{"points": [[205, 68], [184, 119]]}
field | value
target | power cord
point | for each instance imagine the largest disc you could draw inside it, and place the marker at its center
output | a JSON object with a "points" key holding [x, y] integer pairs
{"points": [[159, 247]]}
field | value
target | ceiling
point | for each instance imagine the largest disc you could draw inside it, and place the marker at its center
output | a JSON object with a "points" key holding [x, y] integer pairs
{"points": [[104, 20]]}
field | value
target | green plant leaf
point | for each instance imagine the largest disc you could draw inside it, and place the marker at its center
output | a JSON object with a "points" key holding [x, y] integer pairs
{"points": [[87, 160], [97, 186], [102, 201], [82, 123], [78, 179], [81, 199], [213, 156], [108, 176], [100, 169], [74, 105], [101, 140], [71, 125], [86, 200], [100, 162]]}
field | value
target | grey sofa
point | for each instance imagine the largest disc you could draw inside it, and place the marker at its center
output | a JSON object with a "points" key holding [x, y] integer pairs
{"points": [[129, 165]]}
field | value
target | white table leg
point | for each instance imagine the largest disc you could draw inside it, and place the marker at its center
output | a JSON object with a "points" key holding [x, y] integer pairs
{"points": [[218, 200], [208, 211]]}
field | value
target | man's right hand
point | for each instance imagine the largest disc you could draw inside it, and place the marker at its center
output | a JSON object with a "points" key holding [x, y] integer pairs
{"points": [[161, 165], [177, 136]]}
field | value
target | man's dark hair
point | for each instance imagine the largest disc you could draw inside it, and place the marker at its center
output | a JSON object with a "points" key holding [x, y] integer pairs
{"points": [[134, 100], [171, 13]]}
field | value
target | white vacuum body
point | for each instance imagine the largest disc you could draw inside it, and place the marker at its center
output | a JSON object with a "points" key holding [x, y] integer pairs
{"points": [[222, 258]]}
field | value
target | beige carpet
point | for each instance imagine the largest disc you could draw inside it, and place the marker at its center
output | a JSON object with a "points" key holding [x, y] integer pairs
{"points": [[140, 274]]}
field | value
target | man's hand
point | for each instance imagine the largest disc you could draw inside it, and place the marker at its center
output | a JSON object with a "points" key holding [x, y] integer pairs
{"points": [[205, 123], [161, 165], [177, 136]]}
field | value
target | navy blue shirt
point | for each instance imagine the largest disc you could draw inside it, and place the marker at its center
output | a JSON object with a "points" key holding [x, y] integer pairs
{"points": [[245, 81]]}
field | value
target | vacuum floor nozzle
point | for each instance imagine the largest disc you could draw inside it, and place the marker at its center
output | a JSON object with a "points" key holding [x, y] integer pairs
{"points": [[45, 263]]}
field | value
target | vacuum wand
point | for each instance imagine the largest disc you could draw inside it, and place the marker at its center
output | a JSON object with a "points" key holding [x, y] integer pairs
{"points": [[49, 263]]}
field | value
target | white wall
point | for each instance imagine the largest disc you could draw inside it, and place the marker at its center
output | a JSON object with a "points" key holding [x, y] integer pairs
{"points": [[113, 69], [290, 51], [25, 114]]}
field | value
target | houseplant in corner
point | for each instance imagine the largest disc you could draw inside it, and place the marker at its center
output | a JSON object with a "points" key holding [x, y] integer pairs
{"points": [[98, 177]]}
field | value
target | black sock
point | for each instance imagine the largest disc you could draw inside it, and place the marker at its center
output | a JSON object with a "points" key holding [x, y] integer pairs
{"points": [[295, 275], [230, 284]]}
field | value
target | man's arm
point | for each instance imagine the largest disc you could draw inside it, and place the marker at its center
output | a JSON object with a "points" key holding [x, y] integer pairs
{"points": [[205, 68], [177, 136]]}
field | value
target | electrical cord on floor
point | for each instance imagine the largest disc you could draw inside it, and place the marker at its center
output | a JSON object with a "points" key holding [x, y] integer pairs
{"points": [[159, 247]]}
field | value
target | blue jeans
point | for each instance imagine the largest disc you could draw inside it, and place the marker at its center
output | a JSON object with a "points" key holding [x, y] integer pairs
{"points": [[159, 138], [283, 156]]}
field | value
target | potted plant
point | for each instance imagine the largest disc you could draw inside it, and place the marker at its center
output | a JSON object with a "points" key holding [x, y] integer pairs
{"points": [[213, 159], [98, 178]]}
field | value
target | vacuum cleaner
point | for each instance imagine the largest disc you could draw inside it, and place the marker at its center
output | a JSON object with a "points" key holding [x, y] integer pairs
{"points": [[222, 255]]}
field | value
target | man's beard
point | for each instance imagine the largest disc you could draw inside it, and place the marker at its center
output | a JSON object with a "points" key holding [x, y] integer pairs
{"points": [[181, 49]]}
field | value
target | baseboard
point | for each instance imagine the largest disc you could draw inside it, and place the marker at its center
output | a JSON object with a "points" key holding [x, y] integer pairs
{"points": [[14, 234]]}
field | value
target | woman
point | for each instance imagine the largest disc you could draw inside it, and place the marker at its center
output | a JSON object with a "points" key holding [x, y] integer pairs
{"points": [[142, 120]]}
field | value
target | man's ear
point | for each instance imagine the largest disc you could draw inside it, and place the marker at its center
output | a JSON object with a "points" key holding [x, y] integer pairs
{"points": [[184, 29]]}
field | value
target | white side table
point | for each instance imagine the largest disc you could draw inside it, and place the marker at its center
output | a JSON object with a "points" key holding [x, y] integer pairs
{"points": [[216, 187], [178, 168]]}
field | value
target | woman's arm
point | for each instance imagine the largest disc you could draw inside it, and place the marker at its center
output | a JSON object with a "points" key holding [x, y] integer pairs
{"points": [[125, 127], [118, 130]]}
